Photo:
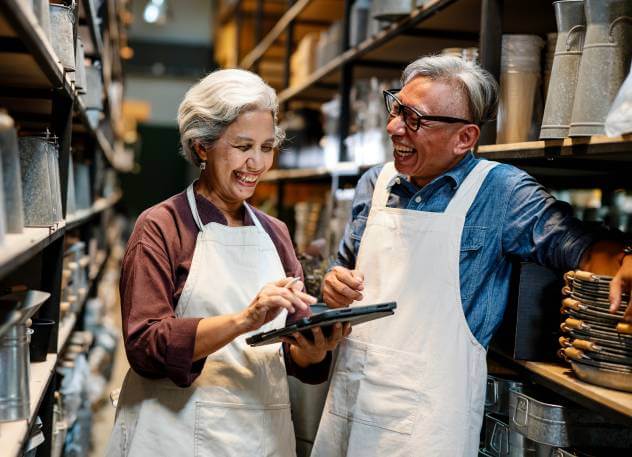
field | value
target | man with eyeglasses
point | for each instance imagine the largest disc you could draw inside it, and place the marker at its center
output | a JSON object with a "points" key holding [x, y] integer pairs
{"points": [[436, 230]]}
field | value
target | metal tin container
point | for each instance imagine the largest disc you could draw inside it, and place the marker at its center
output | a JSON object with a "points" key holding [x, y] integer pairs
{"points": [[547, 420], [11, 176], [604, 65], [497, 394], [14, 356], [570, 18], [501, 441], [62, 20]]}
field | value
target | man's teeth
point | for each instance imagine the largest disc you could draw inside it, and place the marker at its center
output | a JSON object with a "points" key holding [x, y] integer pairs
{"points": [[404, 150], [246, 178]]}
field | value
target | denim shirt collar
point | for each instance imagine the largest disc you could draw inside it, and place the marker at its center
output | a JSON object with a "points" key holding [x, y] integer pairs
{"points": [[455, 175]]}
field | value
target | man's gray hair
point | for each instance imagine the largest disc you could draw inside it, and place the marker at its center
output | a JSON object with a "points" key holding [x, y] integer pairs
{"points": [[477, 84], [212, 104]]}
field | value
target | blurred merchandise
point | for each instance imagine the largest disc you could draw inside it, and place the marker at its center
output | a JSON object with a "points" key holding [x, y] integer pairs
{"points": [[519, 87]]}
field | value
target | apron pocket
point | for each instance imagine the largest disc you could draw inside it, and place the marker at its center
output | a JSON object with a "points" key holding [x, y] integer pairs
{"points": [[377, 386], [230, 429]]}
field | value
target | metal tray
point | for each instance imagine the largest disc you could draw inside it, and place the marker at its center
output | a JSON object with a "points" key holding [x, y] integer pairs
{"points": [[602, 377]]}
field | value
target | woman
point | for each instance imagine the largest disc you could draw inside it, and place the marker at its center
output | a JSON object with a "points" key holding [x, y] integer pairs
{"points": [[202, 271]]}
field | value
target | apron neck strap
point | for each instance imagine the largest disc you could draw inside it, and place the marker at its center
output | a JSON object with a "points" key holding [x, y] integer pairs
{"points": [[468, 190], [193, 206], [253, 217], [380, 194], [196, 214]]}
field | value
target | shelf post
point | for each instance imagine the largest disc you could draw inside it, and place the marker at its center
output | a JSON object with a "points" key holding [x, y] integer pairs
{"points": [[345, 85], [258, 30], [289, 38], [490, 51]]}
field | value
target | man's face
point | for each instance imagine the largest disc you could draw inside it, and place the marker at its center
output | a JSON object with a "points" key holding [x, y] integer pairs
{"points": [[433, 149]]}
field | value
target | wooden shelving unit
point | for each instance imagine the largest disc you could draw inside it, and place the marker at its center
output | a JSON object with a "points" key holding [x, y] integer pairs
{"points": [[39, 95]]}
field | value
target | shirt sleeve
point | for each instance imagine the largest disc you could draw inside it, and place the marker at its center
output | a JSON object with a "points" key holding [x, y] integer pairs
{"points": [[350, 242], [539, 228], [158, 344]]}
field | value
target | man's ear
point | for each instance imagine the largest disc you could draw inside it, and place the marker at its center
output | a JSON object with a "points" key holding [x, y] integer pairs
{"points": [[467, 137]]}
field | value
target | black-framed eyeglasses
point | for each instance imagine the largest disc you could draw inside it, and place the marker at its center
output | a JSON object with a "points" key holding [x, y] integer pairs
{"points": [[412, 117]]}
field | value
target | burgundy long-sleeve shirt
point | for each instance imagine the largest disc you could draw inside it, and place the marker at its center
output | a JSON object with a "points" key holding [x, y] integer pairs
{"points": [[153, 273]]}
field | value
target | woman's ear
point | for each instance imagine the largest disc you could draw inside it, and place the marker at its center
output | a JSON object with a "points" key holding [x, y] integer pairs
{"points": [[200, 151], [467, 138]]}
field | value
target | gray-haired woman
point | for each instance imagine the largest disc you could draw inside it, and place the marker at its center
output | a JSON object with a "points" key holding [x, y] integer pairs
{"points": [[201, 271]]}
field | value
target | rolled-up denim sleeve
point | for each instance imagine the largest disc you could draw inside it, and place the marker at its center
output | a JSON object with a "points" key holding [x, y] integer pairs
{"points": [[360, 207], [539, 228]]}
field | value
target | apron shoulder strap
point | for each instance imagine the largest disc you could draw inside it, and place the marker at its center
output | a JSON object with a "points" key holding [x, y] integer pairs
{"points": [[193, 206], [253, 217], [380, 193], [468, 190]]}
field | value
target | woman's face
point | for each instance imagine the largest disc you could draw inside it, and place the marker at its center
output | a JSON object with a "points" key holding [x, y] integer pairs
{"points": [[240, 157]]}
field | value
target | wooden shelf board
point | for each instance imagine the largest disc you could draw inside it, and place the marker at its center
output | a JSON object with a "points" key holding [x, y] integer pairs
{"points": [[13, 435], [596, 147], [562, 379], [18, 248], [98, 206]]}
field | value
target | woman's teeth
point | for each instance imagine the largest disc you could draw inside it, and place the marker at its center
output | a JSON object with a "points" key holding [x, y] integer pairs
{"points": [[246, 178]]}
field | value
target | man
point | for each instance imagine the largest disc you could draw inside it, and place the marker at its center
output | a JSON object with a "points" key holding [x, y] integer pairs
{"points": [[436, 231]]}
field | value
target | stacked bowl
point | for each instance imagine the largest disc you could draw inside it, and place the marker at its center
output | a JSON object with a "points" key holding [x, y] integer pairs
{"points": [[597, 343]]}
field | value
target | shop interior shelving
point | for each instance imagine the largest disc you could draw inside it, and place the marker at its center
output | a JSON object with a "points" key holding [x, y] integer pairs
{"points": [[39, 95], [582, 162]]}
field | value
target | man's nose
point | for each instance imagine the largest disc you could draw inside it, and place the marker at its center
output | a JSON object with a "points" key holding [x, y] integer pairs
{"points": [[396, 126]]}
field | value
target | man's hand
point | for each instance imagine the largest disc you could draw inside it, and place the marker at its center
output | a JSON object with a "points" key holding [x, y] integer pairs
{"points": [[607, 258], [342, 286], [622, 282]]}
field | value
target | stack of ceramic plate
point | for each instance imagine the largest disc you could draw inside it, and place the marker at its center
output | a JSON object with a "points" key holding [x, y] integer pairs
{"points": [[597, 343]]}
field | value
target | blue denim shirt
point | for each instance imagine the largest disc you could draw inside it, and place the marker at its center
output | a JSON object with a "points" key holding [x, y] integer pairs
{"points": [[511, 217]]}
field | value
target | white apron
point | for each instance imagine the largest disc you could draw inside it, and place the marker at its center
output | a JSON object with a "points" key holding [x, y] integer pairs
{"points": [[412, 384], [239, 405]]}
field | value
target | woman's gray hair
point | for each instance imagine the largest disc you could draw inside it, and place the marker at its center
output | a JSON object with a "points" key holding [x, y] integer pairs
{"points": [[212, 104], [477, 84]]}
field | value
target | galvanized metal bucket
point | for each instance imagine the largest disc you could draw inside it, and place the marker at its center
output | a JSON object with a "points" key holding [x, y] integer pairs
{"points": [[11, 176], [37, 190], [604, 65], [62, 20], [80, 80], [571, 27], [94, 92], [14, 356]]}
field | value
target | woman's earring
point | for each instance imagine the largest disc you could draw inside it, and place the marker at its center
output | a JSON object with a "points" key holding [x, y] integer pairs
{"points": [[203, 166]]}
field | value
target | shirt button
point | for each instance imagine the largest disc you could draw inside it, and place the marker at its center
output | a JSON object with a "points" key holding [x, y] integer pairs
{"points": [[418, 199], [397, 181]]}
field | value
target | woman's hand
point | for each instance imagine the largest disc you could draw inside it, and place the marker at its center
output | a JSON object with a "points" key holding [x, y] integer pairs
{"points": [[271, 300], [305, 352]]}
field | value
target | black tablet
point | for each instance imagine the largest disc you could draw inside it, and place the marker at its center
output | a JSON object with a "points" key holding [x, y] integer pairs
{"points": [[325, 318]]}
